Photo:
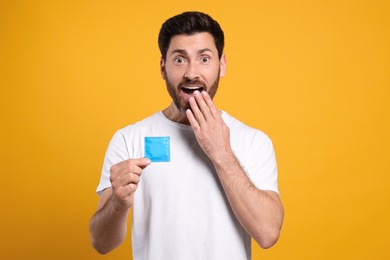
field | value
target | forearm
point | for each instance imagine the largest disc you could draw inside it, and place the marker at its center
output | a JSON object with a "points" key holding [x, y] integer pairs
{"points": [[259, 212], [108, 227]]}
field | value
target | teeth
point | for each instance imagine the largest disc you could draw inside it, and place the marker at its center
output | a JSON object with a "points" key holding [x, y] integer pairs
{"points": [[191, 88]]}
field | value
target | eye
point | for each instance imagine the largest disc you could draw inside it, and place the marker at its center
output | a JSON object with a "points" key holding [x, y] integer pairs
{"points": [[205, 59], [179, 60]]}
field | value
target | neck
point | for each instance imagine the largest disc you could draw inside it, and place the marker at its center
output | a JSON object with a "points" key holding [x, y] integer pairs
{"points": [[175, 115]]}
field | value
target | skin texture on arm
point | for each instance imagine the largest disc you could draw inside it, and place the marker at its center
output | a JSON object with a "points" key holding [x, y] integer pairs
{"points": [[259, 212], [108, 226]]}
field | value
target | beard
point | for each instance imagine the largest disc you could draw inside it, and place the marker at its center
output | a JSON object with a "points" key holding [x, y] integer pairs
{"points": [[183, 104]]}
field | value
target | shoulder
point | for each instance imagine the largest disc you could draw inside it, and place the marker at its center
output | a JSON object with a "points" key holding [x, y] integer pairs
{"points": [[147, 122], [248, 143], [241, 130]]}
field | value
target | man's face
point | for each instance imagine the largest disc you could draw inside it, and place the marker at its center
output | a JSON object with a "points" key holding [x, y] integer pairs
{"points": [[191, 64]]}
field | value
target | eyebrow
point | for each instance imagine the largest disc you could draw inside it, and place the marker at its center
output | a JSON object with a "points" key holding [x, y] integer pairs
{"points": [[184, 52], [204, 50]]}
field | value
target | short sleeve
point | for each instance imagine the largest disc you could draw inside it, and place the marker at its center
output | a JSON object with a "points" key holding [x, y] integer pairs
{"points": [[116, 152], [261, 167]]}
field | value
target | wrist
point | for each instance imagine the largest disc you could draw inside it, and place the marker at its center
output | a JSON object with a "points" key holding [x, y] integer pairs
{"points": [[225, 160], [117, 206]]}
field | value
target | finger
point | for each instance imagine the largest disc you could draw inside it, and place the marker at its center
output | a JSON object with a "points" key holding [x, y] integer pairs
{"points": [[202, 105], [196, 112], [132, 187], [126, 164], [126, 191], [210, 103], [130, 178], [124, 172], [119, 181], [130, 167], [136, 165], [192, 120], [140, 162]]}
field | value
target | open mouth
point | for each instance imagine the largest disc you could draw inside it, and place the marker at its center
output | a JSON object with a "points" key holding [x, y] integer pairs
{"points": [[190, 89]]}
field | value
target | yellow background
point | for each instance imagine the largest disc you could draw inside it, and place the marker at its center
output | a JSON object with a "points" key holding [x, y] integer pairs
{"points": [[313, 75]]}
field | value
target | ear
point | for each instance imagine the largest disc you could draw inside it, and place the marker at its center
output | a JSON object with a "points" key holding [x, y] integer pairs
{"points": [[222, 66], [162, 68]]}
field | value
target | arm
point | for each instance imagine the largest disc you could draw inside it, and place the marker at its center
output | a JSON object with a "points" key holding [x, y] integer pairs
{"points": [[108, 226], [259, 212]]}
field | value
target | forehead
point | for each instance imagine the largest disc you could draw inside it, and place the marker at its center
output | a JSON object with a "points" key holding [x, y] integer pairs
{"points": [[193, 42]]}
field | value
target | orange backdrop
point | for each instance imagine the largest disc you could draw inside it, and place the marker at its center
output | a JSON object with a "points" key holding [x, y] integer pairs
{"points": [[313, 75]]}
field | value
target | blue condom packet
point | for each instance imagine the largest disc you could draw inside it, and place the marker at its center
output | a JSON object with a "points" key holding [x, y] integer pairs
{"points": [[157, 149]]}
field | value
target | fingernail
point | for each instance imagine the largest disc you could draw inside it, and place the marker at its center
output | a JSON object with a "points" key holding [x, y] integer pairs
{"points": [[196, 92]]}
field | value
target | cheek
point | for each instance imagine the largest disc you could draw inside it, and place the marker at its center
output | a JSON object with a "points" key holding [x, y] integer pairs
{"points": [[212, 74], [172, 80], [173, 75]]}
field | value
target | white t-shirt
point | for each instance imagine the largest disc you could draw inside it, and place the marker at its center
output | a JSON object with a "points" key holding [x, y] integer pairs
{"points": [[180, 210]]}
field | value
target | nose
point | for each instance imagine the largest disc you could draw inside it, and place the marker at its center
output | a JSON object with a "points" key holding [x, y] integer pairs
{"points": [[192, 72]]}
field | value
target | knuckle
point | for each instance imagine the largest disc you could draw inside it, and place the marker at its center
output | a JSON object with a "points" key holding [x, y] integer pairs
{"points": [[136, 179], [123, 194], [201, 137], [131, 167], [128, 164], [133, 187], [113, 169], [113, 177]]}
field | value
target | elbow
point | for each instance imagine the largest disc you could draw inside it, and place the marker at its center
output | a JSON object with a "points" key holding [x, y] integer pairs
{"points": [[268, 239], [98, 243], [101, 249], [102, 242], [268, 243]]}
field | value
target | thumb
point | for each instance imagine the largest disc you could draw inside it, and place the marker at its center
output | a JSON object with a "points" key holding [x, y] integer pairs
{"points": [[142, 162]]}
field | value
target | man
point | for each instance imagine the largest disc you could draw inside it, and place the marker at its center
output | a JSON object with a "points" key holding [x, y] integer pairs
{"points": [[200, 183]]}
